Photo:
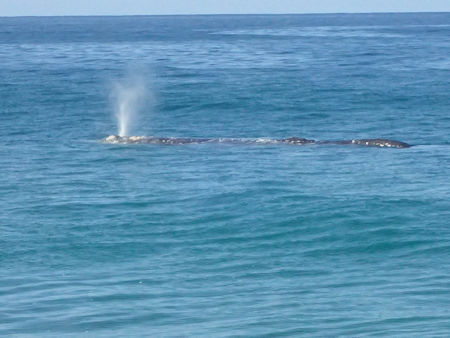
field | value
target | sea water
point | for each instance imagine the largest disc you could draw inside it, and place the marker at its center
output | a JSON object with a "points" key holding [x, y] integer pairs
{"points": [[106, 240]]}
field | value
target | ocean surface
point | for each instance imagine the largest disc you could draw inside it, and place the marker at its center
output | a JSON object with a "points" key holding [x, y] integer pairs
{"points": [[101, 240]]}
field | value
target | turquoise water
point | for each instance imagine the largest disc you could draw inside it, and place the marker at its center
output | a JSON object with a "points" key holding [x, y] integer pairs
{"points": [[218, 239]]}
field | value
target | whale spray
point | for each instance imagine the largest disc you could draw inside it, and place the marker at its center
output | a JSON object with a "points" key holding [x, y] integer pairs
{"points": [[129, 95]]}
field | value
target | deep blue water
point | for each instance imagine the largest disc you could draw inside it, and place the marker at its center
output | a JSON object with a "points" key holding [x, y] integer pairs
{"points": [[219, 240]]}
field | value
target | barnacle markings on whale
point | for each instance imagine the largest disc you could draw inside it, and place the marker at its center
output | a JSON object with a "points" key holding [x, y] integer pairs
{"points": [[375, 142]]}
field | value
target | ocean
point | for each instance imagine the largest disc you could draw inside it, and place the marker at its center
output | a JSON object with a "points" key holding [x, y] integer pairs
{"points": [[215, 240]]}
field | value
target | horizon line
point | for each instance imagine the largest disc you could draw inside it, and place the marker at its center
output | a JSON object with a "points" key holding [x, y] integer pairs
{"points": [[217, 14]]}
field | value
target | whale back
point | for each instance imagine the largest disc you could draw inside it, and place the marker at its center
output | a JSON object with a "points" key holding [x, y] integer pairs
{"points": [[380, 142], [374, 142], [297, 140]]}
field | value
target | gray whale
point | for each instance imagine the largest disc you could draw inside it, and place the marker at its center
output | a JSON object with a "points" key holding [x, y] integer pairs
{"points": [[374, 142]]}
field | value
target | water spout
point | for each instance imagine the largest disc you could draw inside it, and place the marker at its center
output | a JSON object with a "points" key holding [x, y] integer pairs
{"points": [[129, 95]]}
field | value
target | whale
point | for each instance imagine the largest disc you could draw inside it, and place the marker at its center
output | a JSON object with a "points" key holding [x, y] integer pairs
{"points": [[370, 142], [379, 142]]}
